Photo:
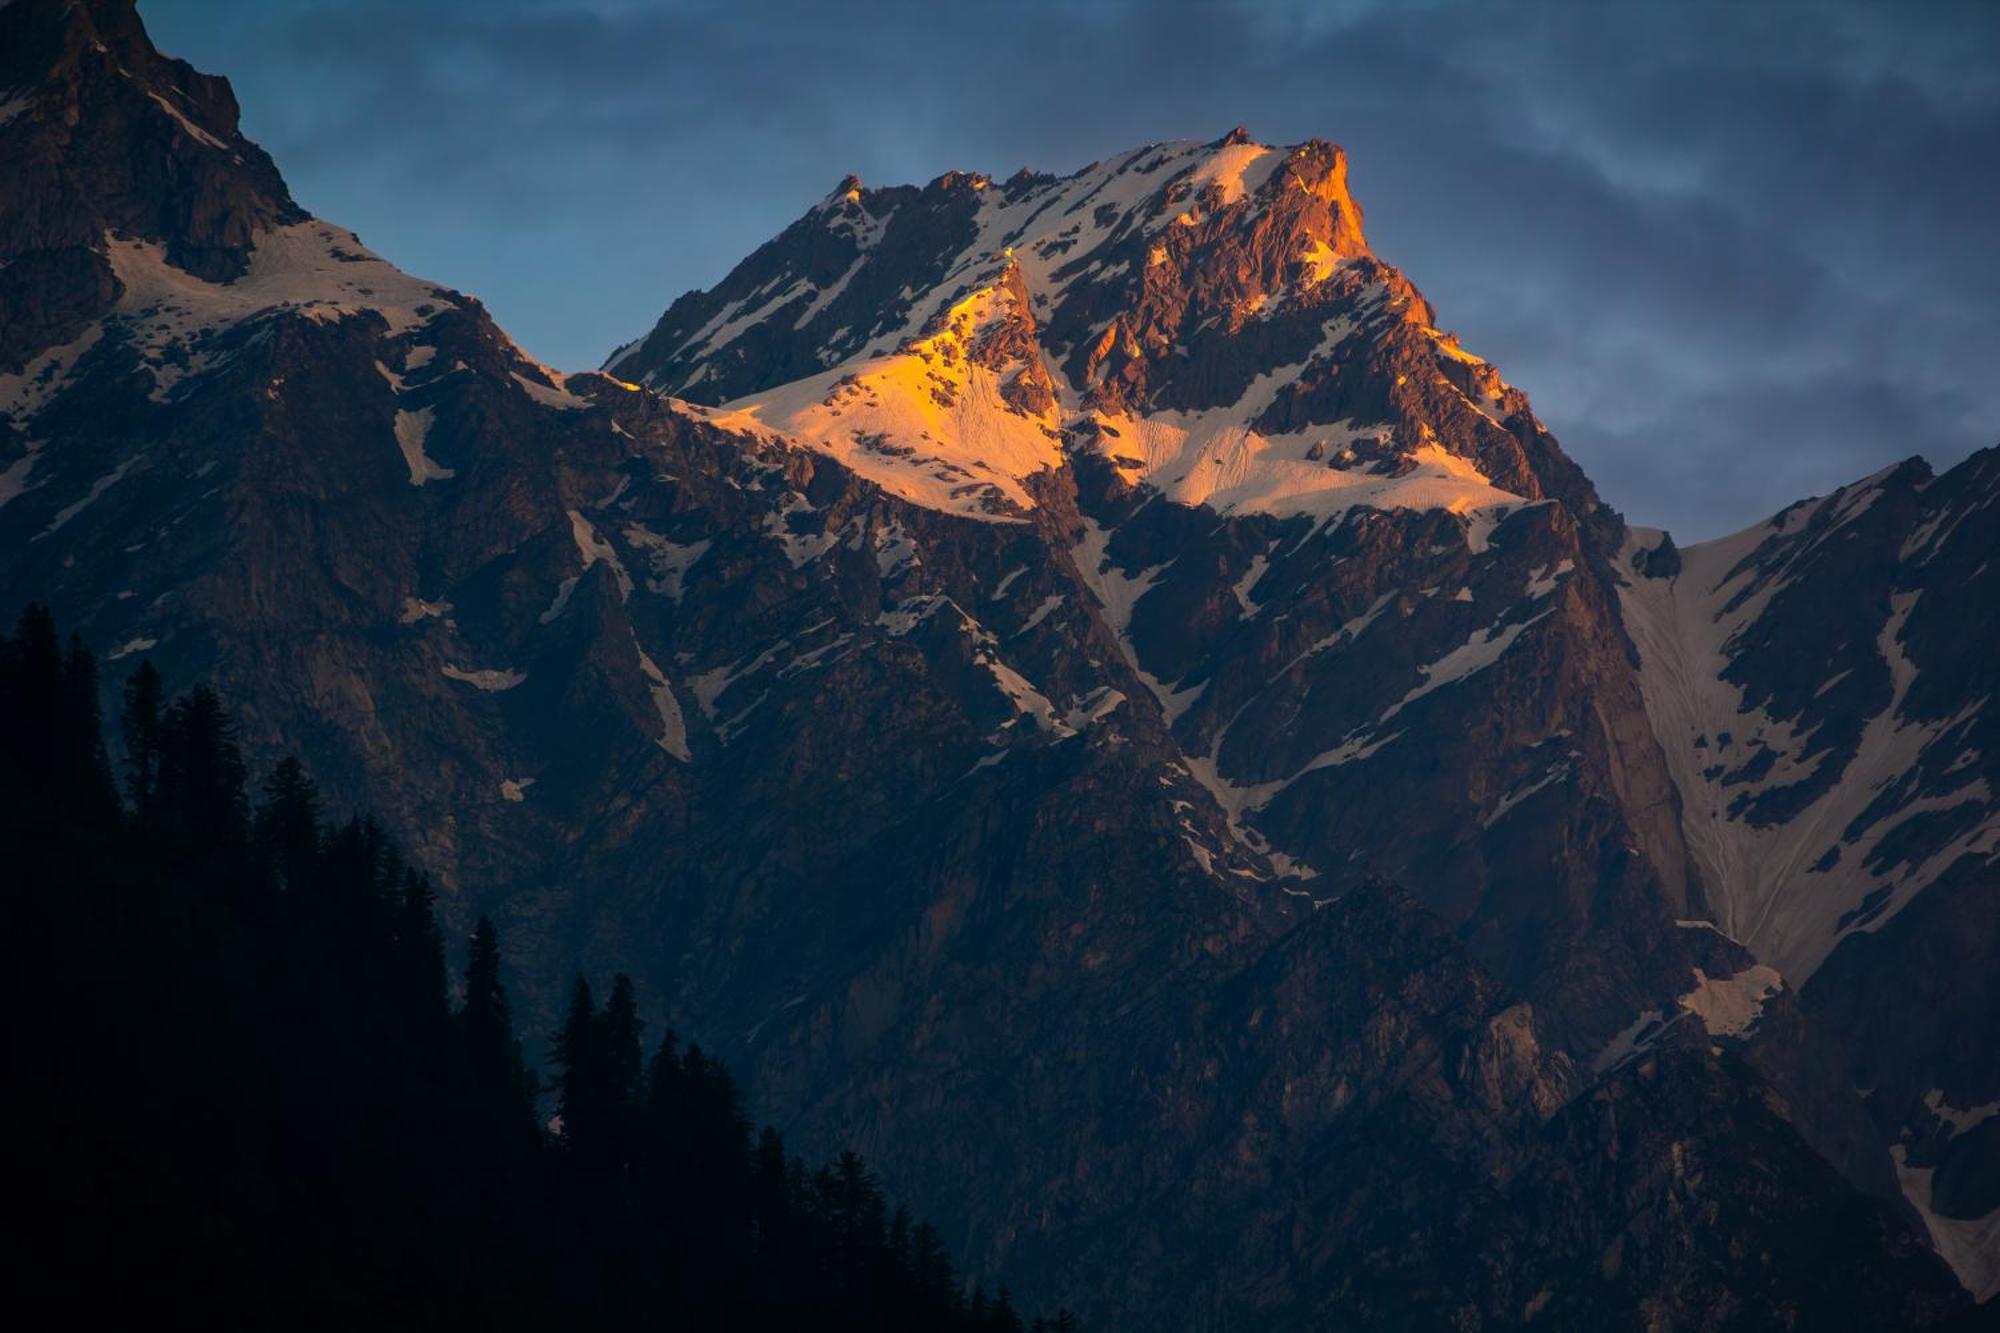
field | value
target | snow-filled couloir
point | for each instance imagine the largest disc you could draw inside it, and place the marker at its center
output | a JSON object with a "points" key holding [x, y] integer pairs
{"points": [[1821, 790]]}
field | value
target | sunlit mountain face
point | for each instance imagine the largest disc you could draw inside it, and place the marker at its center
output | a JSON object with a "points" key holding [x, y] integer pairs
{"points": [[1081, 689]]}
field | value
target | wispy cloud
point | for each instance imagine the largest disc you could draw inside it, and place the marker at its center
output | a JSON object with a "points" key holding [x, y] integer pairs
{"points": [[1733, 252]]}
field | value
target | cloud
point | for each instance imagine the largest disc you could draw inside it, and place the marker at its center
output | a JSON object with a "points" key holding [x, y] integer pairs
{"points": [[1714, 460], [1730, 251]]}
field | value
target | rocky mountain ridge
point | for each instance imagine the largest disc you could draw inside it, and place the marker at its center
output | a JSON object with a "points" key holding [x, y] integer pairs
{"points": [[1211, 336], [1007, 704], [1822, 682]]}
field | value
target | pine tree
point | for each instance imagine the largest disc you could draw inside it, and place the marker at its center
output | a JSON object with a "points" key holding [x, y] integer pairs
{"points": [[420, 949], [35, 702], [770, 1195], [285, 831], [937, 1284], [665, 1093], [578, 1054], [384, 874], [86, 775], [857, 1211], [621, 1046], [899, 1238], [201, 769], [140, 724], [493, 1053], [664, 1131], [718, 1133]]}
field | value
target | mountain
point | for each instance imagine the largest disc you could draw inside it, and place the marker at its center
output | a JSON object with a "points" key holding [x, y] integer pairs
{"points": [[1303, 513], [1821, 683], [1077, 684]]}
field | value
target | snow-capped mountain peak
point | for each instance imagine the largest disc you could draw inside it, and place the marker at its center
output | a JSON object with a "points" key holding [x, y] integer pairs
{"points": [[1206, 316]]}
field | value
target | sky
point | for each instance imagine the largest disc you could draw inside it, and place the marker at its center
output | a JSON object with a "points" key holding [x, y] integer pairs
{"points": [[1736, 254]]}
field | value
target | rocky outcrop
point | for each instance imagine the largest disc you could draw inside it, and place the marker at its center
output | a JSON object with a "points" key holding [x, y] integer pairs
{"points": [[1779, 1257], [101, 134]]}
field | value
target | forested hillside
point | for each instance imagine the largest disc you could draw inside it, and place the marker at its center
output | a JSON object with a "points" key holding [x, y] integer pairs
{"points": [[248, 1089]]}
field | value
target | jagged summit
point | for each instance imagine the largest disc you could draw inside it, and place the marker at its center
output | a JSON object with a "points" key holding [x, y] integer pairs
{"points": [[102, 141], [1068, 231], [99, 131], [1205, 316], [141, 234]]}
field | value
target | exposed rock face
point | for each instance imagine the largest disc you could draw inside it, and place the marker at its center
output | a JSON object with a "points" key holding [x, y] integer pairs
{"points": [[167, 165], [1822, 683], [1636, 1139], [1361, 516], [991, 711]]}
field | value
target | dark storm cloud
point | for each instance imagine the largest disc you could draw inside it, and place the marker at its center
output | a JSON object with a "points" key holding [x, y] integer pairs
{"points": [[1735, 253]]}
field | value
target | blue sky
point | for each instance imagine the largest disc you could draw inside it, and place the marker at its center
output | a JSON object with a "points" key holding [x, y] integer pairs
{"points": [[1736, 254]]}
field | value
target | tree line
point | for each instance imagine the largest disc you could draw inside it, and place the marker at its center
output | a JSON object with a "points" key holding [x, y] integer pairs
{"points": [[243, 1086]]}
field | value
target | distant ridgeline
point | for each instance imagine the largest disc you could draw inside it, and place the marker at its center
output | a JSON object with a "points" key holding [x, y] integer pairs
{"points": [[238, 1087]]}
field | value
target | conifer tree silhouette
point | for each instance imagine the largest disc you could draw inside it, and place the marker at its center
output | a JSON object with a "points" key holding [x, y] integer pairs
{"points": [[256, 1101], [140, 723]]}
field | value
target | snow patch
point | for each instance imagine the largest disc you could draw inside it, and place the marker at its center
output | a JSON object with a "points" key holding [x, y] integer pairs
{"points": [[311, 268], [1006, 582], [1636, 1036], [193, 130], [1970, 1245], [593, 548], [97, 488], [1772, 886], [14, 479], [492, 680], [416, 608], [1118, 593], [559, 398], [1236, 170], [1482, 650], [1731, 1006], [1244, 587], [412, 429], [1041, 612], [1542, 580], [561, 600], [1960, 1121], [1507, 803], [673, 737], [926, 422], [667, 562]]}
